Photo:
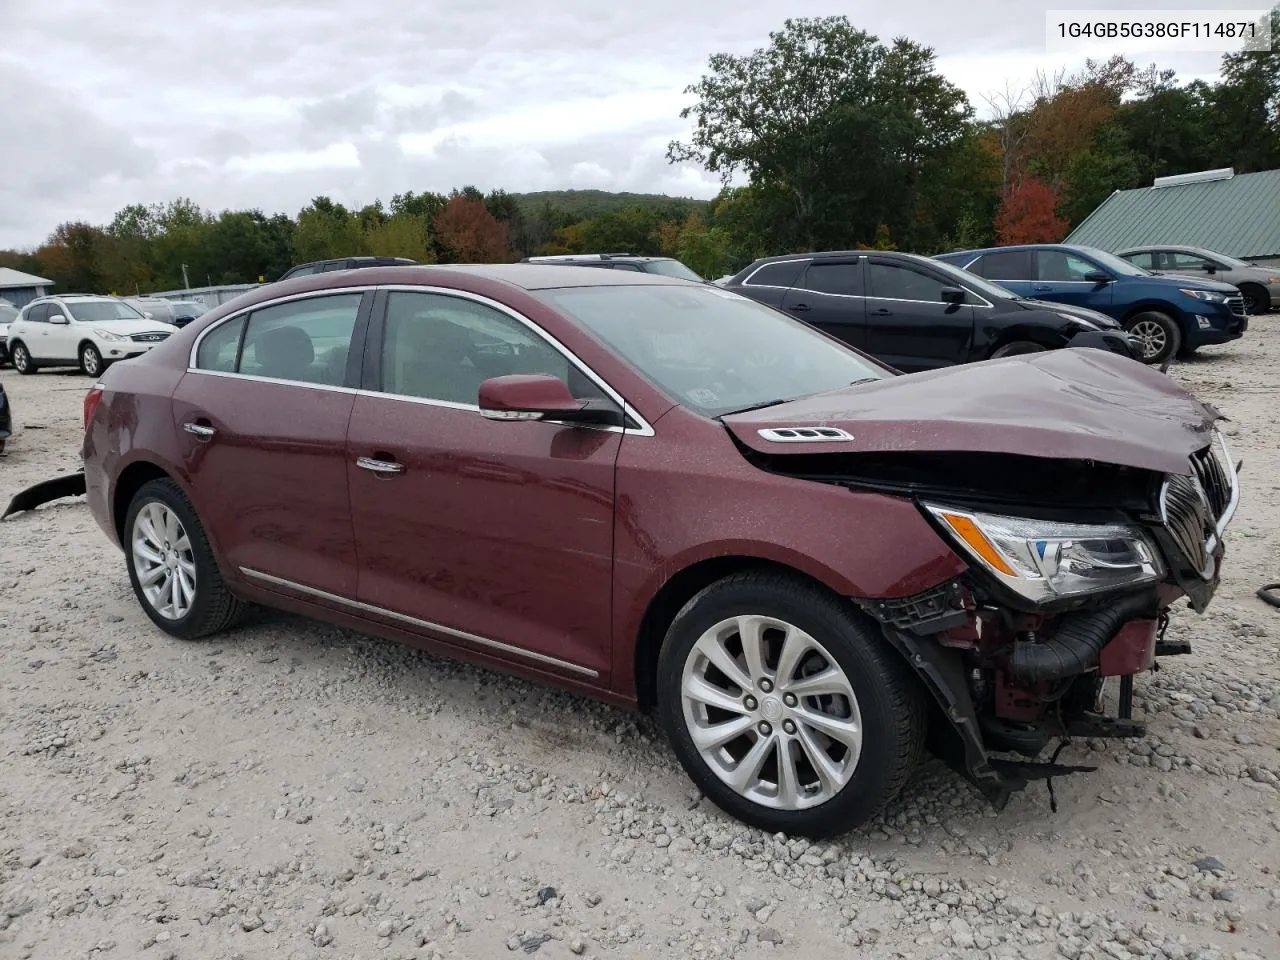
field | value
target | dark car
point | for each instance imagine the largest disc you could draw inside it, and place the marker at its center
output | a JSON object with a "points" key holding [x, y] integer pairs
{"points": [[344, 263], [1171, 315], [662, 493], [6, 419], [662, 266], [915, 313]]}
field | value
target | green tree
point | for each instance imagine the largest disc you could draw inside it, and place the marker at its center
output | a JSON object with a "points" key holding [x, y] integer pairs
{"points": [[841, 125], [402, 235], [327, 230], [1246, 107], [1107, 165], [701, 248]]}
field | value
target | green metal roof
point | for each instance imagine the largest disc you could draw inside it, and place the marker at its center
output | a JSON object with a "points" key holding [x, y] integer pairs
{"points": [[1239, 217]]}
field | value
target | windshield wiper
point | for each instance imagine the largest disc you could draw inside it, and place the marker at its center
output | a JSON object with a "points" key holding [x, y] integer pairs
{"points": [[760, 406]]}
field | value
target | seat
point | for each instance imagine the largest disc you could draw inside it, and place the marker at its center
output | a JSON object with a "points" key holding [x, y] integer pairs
{"points": [[286, 353], [433, 361]]}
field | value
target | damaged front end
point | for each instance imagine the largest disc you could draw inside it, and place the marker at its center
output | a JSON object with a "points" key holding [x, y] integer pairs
{"points": [[1073, 566]]}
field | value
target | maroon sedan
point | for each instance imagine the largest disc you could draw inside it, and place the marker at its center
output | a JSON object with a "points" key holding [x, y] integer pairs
{"points": [[664, 494]]}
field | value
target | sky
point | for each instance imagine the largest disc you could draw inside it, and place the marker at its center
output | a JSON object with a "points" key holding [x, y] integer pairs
{"points": [[268, 103]]}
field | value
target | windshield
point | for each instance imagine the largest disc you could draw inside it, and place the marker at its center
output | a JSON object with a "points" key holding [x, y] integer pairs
{"points": [[1229, 261], [672, 268], [1113, 263], [975, 282], [711, 350], [102, 311]]}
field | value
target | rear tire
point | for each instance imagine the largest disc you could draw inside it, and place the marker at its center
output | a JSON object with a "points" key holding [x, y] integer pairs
{"points": [[91, 360], [21, 358], [165, 542], [1016, 348], [749, 722], [1159, 333]]}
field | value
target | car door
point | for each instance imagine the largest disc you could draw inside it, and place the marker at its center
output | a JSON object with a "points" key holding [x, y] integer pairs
{"points": [[493, 535], [770, 282], [263, 419], [1061, 276], [35, 331], [830, 296], [62, 341], [1185, 264], [909, 325]]}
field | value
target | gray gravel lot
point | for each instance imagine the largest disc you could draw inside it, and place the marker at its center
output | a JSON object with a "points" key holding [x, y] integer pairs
{"points": [[297, 791]]}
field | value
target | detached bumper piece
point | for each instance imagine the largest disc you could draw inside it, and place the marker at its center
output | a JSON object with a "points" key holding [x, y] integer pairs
{"points": [[72, 485]]}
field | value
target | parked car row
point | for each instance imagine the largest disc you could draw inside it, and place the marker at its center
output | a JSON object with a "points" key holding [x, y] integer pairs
{"points": [[84, 330], [671, 496]]}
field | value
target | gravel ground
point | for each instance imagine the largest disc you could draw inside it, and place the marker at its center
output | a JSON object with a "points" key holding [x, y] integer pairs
{"points": [[294, 790]]}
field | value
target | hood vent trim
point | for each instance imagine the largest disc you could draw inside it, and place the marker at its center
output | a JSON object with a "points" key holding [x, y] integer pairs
{"points": [[806, 434]]}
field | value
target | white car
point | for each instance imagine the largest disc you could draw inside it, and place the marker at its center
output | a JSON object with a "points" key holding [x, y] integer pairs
{"points": [[88, 331]]}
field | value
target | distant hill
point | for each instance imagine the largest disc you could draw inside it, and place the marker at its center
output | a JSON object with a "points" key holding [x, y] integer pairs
{"points": [[586, 204]]}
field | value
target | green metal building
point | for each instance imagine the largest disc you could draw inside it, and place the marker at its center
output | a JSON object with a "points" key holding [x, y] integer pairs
{"points": [[1219, 210]]}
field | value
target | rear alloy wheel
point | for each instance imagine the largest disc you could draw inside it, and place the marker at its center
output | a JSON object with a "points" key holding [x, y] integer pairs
{"points": [[90, 360], [1017, 348], [1159, 335], [22, 361], [786, 708], [1257, 300], [171, 565]]}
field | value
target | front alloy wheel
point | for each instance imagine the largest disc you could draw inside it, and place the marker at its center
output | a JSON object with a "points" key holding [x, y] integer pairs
{"points": [[771, 712], [786, 706], [90, 360], [1159, 335]]}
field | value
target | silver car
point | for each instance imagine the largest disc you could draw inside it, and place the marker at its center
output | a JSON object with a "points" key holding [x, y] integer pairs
{"points": [[8, 314], [1259, 285]]}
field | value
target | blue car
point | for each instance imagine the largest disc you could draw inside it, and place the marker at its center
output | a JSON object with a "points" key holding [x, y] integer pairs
{"points": [[1170, 315]]}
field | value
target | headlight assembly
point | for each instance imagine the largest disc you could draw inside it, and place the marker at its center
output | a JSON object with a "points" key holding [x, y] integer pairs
{"points": [[107, 334], [1044, 561], [1208, 296]]}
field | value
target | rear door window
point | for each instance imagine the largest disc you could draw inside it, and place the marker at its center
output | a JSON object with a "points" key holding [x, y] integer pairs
{"points": [[891, 282], [844, 279], [1011, 265], [303, 340]]}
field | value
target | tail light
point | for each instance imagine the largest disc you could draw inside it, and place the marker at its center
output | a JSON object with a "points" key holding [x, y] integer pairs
{"points": [[91, 401]]}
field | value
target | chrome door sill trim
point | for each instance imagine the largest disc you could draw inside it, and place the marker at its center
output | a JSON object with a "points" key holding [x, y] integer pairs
{"points": [[424, 624]]}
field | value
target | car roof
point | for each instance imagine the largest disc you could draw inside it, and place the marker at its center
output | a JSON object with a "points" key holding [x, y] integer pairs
{"points": [[1185, 248], [837, 255]]}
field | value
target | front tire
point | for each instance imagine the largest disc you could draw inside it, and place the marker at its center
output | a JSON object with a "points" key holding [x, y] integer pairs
{"points": [[22, 361], [171, 565], [1257, 300], [1159, 333], [90, 360], [786, 708]]}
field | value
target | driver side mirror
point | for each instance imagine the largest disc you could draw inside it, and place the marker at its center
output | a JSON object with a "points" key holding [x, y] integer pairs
{"points": [[58, 318], [538, 396], [1097, 276], [953, 295]]}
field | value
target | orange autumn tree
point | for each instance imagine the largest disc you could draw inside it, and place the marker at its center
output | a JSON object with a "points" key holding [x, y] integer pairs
{"points": [[1029, 214], [469, 233]]}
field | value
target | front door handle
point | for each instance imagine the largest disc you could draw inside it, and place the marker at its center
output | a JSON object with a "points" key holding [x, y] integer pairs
{"points": [[882, 312], [799, 307], [1041, 288], [379, 466], [202, 431]]}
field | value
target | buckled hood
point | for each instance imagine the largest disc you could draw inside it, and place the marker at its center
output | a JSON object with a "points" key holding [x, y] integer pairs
{"points": [[1061, 404]]}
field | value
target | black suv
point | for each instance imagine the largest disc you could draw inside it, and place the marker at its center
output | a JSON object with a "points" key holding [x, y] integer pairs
{"points": [[915, 313], [345, 263], [663, 266]]}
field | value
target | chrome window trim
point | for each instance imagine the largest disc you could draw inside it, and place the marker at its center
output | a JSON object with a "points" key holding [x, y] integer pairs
{"points": [[644, 428], [746, 281], [423, 624], [984, 305]]}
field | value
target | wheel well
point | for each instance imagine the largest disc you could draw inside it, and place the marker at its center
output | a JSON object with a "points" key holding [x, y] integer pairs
{"points": [[86, 342], [1254, 285], [130, 482], [1152, 308], [1045, 338], [672, 597]]}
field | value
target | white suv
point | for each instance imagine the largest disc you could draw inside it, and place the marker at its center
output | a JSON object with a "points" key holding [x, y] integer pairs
{"points": [[81, 330]]}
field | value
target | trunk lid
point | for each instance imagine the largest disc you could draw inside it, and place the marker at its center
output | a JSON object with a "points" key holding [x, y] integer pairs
{"points": [[1062, 404]]}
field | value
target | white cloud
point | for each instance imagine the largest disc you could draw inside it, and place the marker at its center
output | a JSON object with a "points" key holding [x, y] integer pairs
{"points": [[268, 103]]}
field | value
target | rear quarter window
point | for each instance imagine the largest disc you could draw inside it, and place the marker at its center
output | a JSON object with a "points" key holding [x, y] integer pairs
{"points": [[784, 274], [219, 347]]}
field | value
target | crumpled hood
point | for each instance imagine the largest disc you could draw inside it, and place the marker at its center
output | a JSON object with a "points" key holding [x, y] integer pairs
{"points": [[1071, 309], [1061, 404]]}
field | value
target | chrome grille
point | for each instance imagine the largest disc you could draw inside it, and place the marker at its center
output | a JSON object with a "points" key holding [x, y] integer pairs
{"points": [[1237, 305], [149, 337], [1197, 508]]}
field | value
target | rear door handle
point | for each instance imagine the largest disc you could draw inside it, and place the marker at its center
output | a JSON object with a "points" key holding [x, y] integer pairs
{"points": [[201, 430], [882, 312], [1041, 288], [799, 307], [379, 466]]}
